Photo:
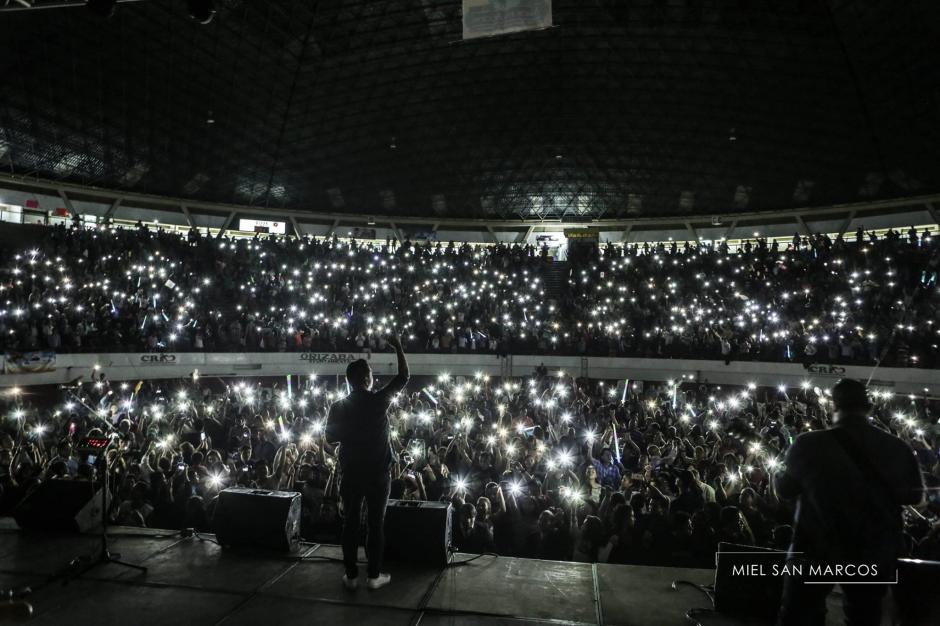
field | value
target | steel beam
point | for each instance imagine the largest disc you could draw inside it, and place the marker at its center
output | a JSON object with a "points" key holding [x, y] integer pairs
{"points": [[734, 224], [803, 226], [113, 208], [189, 217], [626, 232], [332, 229], [297, 230], [934, 213], [68, 202], [227, 223], [524, 235], [847, 221], [35, 5], [397, 232]]}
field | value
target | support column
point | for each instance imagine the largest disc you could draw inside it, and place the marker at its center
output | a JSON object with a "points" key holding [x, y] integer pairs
{"points": [[297, 230], [846, 222], [934, 213], [626, 232], [734, 224], [397, 232], [803, 227], [113, 209], [68, 203], [332, 229], [227, 223], [188, 215]]}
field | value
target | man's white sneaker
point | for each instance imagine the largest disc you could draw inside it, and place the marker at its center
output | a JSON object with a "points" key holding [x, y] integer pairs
{"points": [[378, 582], [351, 584]]}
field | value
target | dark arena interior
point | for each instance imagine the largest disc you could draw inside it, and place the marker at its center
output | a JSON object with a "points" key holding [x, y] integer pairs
{"points": [[476, 312]]}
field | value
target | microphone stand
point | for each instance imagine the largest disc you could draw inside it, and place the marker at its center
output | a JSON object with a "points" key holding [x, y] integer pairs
{"points": [[82, 564]]}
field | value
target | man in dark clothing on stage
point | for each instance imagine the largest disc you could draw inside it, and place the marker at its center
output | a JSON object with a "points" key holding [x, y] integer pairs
{"points": [[850, 483], [359, 424]]}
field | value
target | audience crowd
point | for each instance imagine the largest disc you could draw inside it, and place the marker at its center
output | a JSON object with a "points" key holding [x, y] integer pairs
{"points": [[546, 466], [861, 299]]}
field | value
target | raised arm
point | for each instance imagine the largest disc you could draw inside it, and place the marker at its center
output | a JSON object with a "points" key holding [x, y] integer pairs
{"points": [[401, 379], [629, 443]]}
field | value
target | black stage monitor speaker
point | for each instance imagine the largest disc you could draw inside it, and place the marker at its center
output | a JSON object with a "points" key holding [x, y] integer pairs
{"points": [[418, 531], [258, 518], [756, 594], [67, 505], [915, 595]]}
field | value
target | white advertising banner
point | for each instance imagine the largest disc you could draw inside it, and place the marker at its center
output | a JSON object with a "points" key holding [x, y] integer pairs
{"points": [[485, 18]]}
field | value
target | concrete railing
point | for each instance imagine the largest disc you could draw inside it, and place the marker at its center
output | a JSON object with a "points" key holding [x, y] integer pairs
{"points": [[47, 368]]}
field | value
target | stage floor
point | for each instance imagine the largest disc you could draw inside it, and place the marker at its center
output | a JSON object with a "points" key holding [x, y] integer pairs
{"points": [[193, 581]]}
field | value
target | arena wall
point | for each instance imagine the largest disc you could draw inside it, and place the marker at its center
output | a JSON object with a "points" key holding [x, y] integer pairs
{"points": [[62, 368]]}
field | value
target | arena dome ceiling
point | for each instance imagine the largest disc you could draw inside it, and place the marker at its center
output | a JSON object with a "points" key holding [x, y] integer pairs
{"points": [[625, 108]]}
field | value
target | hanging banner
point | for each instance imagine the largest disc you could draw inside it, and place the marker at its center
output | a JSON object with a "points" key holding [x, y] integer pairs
{"points": [[485, 18], [29, 362]]}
